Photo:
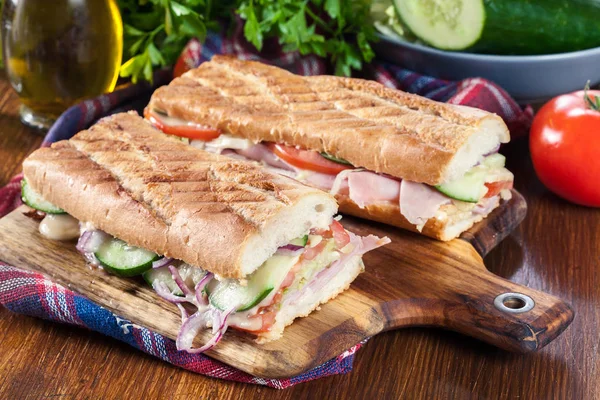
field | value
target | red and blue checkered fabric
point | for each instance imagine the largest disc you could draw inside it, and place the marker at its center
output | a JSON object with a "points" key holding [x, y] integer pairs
{"points": [[32, 294]]}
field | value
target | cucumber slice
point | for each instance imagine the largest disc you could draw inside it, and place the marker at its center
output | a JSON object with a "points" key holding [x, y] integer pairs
{"points": [[230, 293], [470, 188], [34, 200], [335, 159], [118, 257], [448, 25], [301, 241], [162, 275], [494, 161], [191, 276]]}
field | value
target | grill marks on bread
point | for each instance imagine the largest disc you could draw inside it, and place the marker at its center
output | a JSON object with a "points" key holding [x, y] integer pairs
{"points": [[156, 192], [391, 131], [148, 171]]}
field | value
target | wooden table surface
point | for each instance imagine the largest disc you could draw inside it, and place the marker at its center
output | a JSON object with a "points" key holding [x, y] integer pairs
{"points": [[556, 249]]}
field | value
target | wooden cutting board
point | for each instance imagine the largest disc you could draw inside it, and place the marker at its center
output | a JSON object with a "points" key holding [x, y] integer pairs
{"points": [[414, 281]]}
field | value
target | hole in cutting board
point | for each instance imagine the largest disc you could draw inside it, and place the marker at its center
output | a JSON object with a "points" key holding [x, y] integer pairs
{"points": [[514, 302]]}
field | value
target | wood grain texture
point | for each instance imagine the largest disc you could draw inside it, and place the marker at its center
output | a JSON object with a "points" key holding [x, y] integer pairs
{"points": [[554, 250], [413, 281]]}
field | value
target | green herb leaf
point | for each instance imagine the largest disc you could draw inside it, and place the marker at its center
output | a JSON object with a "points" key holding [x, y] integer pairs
{"points": [[156, 31], [333, 8]]}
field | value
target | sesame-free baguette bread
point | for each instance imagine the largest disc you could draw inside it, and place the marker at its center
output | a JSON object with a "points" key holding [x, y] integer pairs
{"points": [[364, 122], [158, 193]]}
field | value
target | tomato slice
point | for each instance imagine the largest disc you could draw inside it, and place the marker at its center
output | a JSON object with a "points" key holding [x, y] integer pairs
{"points": [[307, 159], [495, 187], [340, 235], [311, 252], [191, 131]]}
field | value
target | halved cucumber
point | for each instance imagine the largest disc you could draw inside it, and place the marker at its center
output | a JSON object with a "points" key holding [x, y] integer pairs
{"points": [[230, 293], [470, 188], [448, 24], [118, 257], [163, 275], [34, 200]]}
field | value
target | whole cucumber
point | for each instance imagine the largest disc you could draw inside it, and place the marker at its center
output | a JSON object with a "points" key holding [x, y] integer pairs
{"points": [[539, 26], [504, 26]]}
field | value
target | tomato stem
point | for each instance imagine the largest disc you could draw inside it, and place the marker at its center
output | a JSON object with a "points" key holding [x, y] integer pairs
{"points": [[592, 101]]}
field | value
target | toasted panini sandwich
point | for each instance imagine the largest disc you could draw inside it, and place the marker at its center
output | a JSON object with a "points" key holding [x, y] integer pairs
{"points": [[228, 242], [385, 155]]}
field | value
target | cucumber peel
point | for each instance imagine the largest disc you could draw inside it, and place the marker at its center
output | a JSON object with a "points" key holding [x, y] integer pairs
{"points": [[34, 200], [301, 241], [470, 188], [231, 293], [119, 258]]}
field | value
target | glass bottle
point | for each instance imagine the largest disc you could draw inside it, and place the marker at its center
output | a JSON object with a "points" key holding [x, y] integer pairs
{"points": [[59, 52]]}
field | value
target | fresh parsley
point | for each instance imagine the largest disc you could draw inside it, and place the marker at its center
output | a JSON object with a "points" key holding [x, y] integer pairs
{"points": [[336, 29], [156, 31]]}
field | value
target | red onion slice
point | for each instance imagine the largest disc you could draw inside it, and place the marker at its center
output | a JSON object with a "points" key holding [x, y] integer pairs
{"points": [[290, 253], [292, 247], [161, 262], [163, 291], [201, 285], [83, 241], [88, 244], [191, 327], [184, 314], [290, 250], [179, 281]]}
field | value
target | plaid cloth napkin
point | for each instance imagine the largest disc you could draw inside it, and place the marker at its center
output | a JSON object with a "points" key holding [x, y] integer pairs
{"points": [[32, 294]]}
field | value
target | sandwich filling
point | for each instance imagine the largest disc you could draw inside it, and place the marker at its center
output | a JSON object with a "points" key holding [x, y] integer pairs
{"points": [[473, 195], [297, 273]]}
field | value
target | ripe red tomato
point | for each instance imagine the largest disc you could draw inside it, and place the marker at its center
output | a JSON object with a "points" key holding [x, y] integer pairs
{"points": [[340, 235], [307, 159], [199, 132], [496, 187], [565, 146]]}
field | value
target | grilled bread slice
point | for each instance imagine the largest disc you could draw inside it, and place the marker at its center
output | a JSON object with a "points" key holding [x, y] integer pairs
{"points": [[371, 126], [155, 192]]}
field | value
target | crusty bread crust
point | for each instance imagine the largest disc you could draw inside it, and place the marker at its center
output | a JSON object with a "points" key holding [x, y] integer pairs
{"points": [[389, 213], [374, 127], [156, 192]]}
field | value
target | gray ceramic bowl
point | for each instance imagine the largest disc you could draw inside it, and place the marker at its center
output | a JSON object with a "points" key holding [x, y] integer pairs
{"points": [[529, 79]]}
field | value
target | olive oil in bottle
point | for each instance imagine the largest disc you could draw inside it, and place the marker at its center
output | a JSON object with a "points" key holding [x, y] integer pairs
{"points": [[60, 52]]}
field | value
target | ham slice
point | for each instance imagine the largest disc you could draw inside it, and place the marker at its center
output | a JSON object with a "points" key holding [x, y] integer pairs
{"points": [[260, 152], [367, 187], [419, 202], [322, 181]]}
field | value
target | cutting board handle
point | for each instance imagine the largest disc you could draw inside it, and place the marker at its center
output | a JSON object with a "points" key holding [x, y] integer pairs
{"points": [[472, 300]]}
